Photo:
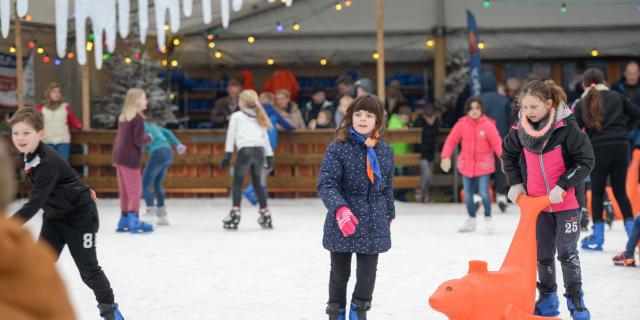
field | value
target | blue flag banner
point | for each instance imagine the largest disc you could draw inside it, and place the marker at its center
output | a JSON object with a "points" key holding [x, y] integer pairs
{"points": [[475, 64]]}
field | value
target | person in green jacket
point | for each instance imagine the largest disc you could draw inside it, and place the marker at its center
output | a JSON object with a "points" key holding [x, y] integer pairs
{"points": [[400, 121], [160, 158]]}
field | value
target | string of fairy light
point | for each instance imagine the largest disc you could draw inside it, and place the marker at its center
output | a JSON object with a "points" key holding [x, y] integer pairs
{"points": [[294, 24]]}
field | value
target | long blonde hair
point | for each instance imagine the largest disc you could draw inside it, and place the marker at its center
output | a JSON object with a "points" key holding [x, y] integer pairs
{"points": [[130, 107], [250, 99], [50, 104]]}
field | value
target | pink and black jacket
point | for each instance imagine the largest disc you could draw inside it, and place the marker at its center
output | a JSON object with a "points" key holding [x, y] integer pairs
{"points": [[566, 160]]}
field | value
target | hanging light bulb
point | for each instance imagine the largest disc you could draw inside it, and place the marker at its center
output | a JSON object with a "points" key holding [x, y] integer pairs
{"points": [[27, 18], [176, 42], [70, 55], [57, 62], [127, 60], [251, 39], [218, 54], [174, 63], [595, 53], [323, 61], [46, 59], [270, 61], [375, 55], [563, 8], [12, 49], [481, 45], [166, 27], [279, 27], [283, 1], [430, 43], [164, 62], [338, 6], [40, 50], [31, 45], [210, 37], [486, 4], [347, 3], [163, 49], [212, 44], [106, 56], [89, 46], [295, 26]]}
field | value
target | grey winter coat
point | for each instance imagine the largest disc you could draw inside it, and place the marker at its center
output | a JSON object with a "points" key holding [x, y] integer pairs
{"points": [[343, 181]]}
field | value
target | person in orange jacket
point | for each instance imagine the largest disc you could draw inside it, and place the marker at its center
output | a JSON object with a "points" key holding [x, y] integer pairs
{"points": [[30, 287]]}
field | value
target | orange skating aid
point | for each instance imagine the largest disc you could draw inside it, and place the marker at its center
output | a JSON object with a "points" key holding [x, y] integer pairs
{"points": [[507, 294]]}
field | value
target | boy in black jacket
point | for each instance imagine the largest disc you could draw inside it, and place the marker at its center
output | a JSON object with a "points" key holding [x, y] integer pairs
{"points": [[70, 213]]}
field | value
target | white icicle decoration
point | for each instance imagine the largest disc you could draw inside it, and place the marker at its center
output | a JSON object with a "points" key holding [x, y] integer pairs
{"points": [[22, 7], [206, 11], [5, 16], [123, 18], [187, 7], [62, 14], [103, 19], [174, 18], [143, 19]]}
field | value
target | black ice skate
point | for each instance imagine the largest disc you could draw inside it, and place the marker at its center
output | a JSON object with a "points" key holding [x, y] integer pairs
{"points": [[232, 221], [264, 220]]}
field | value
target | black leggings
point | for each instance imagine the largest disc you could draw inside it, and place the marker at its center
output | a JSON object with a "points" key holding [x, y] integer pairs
{"points": [[610, 161], [249, 158], [340, 272]]}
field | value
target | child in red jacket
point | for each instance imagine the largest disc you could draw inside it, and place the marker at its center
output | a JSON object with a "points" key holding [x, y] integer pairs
{"points": [[480, 139]]}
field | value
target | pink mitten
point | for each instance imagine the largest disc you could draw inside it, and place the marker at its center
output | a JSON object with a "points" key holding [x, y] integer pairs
{"points": [[347, 221]]}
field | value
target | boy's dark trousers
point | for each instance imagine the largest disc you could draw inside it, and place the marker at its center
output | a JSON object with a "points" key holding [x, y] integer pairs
{"points": [[78, 231], [558, 231], [340, 272]]}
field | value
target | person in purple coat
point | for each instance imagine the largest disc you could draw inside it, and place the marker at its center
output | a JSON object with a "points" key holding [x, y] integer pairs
{"points": [[127, 158], [355, 185]]}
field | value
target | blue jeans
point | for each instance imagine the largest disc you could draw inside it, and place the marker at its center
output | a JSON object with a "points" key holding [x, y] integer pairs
{"points": [[634, 237], [483, 189], [154, 173], [63, 149]]}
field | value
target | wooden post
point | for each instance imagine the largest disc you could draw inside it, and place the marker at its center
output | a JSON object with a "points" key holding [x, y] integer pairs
{"points": [[380, 47], [19, 71], [86, 117], [440, 57]]}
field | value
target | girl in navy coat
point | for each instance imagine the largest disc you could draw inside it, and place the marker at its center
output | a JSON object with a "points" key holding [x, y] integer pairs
{"points": [[355, 185]]}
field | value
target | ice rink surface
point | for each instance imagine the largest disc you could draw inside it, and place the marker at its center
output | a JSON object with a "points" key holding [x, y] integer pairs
{"points": [[194, 269]]}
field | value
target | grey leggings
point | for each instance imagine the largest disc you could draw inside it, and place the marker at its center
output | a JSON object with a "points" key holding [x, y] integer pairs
{"points": [[249, 158]]}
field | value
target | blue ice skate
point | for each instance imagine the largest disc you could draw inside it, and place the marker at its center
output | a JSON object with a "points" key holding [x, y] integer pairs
{"points": [[595, 240], [123, 224], [576, 306], [135, 226], [547, 305], [110, 312], [359, 309], [335, 312], [250, 195]]}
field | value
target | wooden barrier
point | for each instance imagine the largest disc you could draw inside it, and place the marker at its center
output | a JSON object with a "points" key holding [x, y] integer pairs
{"points": [[298, 158]]}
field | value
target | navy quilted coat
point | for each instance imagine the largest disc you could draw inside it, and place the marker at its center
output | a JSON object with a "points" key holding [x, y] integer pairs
{"points": [[343, 181]]}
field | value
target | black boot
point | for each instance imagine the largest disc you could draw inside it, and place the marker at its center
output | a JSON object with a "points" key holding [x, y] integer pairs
{"points": [[335, 311], [110, 311], [232, 220], [359, 309], [264, 220]]}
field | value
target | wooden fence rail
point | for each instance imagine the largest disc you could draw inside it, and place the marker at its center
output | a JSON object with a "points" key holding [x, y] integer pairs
{"points": [[298, 158]]}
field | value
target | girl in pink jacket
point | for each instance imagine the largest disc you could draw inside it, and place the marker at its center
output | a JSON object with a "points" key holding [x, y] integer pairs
{"points": [[480, 140]]}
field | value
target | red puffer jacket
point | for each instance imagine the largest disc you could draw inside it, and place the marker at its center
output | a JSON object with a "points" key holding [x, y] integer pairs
{"points": [[480, 140]]}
